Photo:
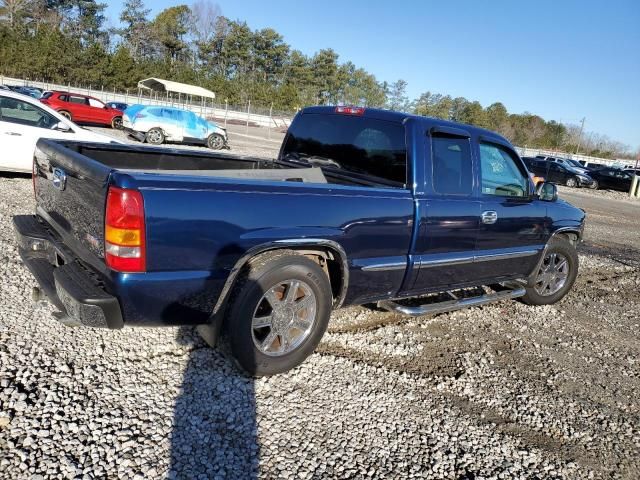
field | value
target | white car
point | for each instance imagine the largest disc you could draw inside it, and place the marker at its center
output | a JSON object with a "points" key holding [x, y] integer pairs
{"points": [[24, 120], [159, 124]]}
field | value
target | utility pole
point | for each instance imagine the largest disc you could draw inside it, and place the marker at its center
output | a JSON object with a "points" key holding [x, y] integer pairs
{"points": [[580, 136]]}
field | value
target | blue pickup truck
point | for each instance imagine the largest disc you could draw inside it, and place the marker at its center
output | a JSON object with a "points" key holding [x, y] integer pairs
{"points": [[362, 206]]}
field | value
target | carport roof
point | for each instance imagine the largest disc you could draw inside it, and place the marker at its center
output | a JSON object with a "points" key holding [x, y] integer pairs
{"points": [[177, 87]]}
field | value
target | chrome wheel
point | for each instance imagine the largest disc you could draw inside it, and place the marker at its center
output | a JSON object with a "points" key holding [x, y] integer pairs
{"points": [[571, 182], [552, 275], [216, 142], [284, 318], [154, 136]]}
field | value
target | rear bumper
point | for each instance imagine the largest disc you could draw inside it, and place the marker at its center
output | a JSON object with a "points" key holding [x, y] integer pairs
{"points": [[75, 290]]}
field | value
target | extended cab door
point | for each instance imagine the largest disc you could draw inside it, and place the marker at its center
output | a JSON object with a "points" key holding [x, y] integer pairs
{"points": [[512, 229], [448, 214]]}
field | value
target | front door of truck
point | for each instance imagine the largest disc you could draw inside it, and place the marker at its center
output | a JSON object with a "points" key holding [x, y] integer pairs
{"points": [[512, 229], [448, 214]]}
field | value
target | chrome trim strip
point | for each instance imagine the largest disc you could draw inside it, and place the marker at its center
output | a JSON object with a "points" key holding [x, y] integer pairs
{"points": [[444, 262], [504, 256], [384, 266]]}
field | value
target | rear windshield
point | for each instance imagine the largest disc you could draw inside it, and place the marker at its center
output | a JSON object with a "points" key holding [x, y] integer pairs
{"points": [[350, 144], [47, 94]]}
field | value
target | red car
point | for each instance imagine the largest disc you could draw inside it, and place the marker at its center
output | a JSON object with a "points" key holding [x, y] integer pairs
{"points": [[83, 108]]}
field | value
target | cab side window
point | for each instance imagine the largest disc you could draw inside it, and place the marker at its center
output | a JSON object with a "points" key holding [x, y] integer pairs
{"points": [[501, 172], [452, 169]]}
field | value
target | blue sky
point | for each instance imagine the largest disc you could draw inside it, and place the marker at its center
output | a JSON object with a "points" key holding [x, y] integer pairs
{"points": [[562, 60]]}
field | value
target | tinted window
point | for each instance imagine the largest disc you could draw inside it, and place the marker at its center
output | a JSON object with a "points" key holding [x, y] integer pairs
{"points": [[362, 145], [501, 174], [78, 100], [451, 165], [16, 111], [47, 94]]}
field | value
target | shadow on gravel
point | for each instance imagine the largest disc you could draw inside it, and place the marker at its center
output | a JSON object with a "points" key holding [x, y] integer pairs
{"points": [[214, 428]]}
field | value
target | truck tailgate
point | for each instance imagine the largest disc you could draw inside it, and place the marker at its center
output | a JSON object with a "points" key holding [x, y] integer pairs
{"points": [[70, 191]]}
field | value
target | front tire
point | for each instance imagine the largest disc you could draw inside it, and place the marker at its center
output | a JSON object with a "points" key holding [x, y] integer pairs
{"points": [[116, 123], [215, 141], [595, 185], [155, 136], [279, 310], [572, 182], [555, 276]]}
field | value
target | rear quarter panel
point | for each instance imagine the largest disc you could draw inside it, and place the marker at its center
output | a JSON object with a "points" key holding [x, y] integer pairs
{"points": [[198, 230]]}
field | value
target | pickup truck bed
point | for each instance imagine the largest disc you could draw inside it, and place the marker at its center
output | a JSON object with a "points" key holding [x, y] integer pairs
{"points": [[359, 207]]}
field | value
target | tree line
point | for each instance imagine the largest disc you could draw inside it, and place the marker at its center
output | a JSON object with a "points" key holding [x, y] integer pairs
{"points": [[68, 41]]}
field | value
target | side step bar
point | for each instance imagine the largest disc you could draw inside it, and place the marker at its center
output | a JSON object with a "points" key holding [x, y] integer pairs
{"points": [[512, 291]]}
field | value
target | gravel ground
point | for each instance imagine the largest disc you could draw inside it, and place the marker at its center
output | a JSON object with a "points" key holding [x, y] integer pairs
{"points": [[500, 391], [608, 194]]}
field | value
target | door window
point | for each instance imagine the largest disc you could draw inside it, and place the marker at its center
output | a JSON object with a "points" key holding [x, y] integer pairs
{"points": [[451, 165], [95, 103], [78, 100], [501, 173], [17, 111]]}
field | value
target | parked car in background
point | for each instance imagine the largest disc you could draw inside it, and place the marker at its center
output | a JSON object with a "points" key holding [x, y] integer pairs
{"points": [[24, 120], [611, 178], [567, 162], [157, 124], [83, 108], [556, 172], [32, 92], [118, 105], [632, 171]]}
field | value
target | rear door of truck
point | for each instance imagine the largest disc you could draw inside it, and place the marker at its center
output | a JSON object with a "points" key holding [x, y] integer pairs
{"points": [[71, 191]]}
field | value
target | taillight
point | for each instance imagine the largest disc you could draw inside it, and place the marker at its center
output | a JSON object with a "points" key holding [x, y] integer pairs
{"points": [[350, 110], [124, 231]]}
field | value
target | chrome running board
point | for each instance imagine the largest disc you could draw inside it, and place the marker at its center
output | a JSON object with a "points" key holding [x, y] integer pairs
{"points": [[511, 291]]}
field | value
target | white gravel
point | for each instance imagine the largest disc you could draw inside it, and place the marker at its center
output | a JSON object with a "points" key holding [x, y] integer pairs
{"points": [[504, 391]]}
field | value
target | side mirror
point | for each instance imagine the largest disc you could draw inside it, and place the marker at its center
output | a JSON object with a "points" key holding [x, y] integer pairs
{"points": [[61, 127], [547, 191]]}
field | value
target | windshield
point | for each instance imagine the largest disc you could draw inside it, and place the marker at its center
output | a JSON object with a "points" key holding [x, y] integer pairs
{"points": [[357, 144]]}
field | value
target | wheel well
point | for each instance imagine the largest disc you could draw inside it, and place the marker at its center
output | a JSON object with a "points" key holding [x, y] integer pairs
{"points": [[327, 258], [571, 237]]}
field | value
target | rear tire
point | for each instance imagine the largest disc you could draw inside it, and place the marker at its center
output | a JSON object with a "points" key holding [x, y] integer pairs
{"points": [[555, 276], [215, 141], [572, 182], [155, 136], [278, 312], [65, 114], [595, 185]]}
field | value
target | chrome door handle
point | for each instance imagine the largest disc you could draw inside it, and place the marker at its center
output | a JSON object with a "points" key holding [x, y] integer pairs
{"points": [[13, 134], [489, 217]]}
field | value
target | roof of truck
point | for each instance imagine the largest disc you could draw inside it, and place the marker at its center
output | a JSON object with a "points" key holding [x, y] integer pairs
{"points": [[394, 116]]}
